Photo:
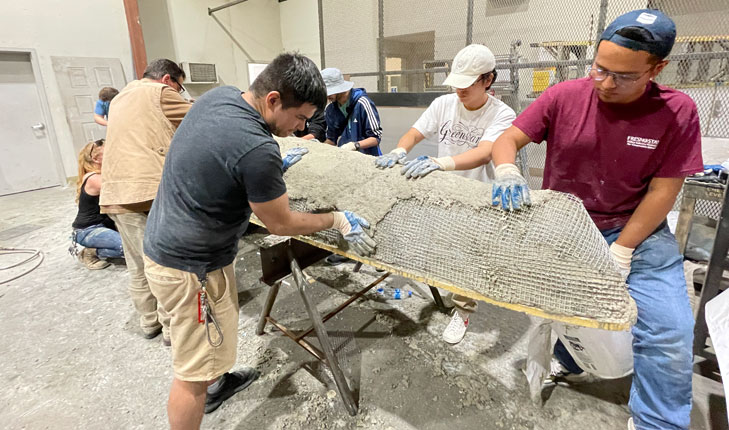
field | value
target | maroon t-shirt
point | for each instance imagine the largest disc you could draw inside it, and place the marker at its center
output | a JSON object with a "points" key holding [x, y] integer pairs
{"points": [[606, 154]]}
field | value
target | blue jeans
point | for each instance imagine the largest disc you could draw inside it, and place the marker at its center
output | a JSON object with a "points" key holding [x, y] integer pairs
{"points": [[107, 242], [660, 397]]}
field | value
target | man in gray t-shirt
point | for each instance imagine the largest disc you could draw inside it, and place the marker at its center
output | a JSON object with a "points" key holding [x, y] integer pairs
{"points": [[223, 165]]}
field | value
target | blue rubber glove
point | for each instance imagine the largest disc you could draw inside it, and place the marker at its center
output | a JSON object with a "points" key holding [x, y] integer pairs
{"points": [[396, 156], [352, 228], [510, 189], [423, 165], [293, 156]]}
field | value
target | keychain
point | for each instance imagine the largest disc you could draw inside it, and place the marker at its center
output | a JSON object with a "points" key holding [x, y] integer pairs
{"points": [[205, 313]]}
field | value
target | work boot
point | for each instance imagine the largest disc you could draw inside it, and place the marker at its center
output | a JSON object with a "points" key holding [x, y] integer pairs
{"points": [[456, 329], [88, 257], [227, 385], [559, 375]]}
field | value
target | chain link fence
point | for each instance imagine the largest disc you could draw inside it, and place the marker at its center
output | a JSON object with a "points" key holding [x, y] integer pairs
{"points": [[408, 46]]}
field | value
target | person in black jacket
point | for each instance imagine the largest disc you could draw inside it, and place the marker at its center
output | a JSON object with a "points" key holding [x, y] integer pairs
{"points": [[316, 127]]}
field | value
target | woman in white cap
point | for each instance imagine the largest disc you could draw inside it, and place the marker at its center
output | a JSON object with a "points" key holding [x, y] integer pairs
{"points": [[465, 124]]}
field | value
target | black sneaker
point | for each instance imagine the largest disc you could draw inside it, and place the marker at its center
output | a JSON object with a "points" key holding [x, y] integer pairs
{"points": [[232, 383], [336, 260]]}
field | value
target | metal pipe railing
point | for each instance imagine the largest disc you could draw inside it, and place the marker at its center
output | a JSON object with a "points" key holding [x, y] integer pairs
{"points": [[542, 64], [225, 6]]}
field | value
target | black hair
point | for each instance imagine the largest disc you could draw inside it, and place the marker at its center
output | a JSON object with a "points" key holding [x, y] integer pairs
{"points": [[296, 78], [642, 35], [485, 76], [160, 67]]}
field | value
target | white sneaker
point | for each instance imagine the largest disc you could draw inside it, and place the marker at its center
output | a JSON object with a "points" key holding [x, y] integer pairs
{"points": [[456, 328], [631, 425], [558, 373]]}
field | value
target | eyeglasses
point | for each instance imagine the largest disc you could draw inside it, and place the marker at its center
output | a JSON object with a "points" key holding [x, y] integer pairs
{"points": [[97, 144], [620, 79], [182, 89]]}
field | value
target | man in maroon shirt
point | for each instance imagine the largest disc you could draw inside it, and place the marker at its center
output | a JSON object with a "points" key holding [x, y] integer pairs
{"points": [[624, 144]]}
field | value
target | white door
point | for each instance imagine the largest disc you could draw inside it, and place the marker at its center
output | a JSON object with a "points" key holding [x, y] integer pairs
{"points": [[26, 159], [80, 79]]}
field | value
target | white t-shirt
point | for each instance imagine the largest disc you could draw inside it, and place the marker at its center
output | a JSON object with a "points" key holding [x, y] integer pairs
{"points": [[456, 129]]}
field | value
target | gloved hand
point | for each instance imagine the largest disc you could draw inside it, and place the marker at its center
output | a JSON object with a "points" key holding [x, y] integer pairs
{"points": [[510, 189], [293, 156], [623, 256], [351, 226], [396, 156], [349, 146], [423, 165]]}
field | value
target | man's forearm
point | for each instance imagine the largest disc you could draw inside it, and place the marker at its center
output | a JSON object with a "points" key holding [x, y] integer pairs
{"points": [[649, 214], [506, 146], [368, 143], [504, 151], [410, 139], [474, 157], [303, 223]]}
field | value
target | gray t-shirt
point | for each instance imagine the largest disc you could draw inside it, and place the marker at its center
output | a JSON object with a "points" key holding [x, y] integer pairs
{"points": [[221, 157]]}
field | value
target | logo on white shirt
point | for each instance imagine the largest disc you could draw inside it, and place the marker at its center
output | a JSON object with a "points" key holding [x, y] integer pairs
{"points": [[641, 142], [460, 134]]}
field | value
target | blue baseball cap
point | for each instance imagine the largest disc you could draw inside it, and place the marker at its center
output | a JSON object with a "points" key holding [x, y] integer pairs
{"points": [[661, 28]]}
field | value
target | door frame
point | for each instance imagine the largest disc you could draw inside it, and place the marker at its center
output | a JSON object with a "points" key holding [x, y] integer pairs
{"points": [[45, 112]]}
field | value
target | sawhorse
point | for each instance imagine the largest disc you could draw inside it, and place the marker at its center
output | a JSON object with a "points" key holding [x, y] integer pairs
{"points": [[283, 256]]}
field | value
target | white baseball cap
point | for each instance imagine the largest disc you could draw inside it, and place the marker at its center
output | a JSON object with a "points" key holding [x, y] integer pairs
{"points": [[335, 82], [470, 63]]}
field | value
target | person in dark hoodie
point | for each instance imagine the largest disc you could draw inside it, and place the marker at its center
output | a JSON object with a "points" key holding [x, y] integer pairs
{"points": [[352, 120]]}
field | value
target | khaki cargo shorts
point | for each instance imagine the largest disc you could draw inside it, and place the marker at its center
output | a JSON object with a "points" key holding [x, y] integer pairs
{"points": [[193, 358]]}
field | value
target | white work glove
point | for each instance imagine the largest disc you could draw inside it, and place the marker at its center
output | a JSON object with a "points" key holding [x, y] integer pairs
{"points": [[423, 165], [509, 190], [349, 146], [352, 228], [396, 156], [623, 256]]}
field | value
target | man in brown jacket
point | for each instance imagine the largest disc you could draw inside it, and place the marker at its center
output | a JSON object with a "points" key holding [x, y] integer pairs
{"points": [[146, 114]]}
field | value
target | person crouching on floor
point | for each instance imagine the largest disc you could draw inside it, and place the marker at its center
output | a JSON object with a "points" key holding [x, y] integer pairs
{"points": [[94, 231]]}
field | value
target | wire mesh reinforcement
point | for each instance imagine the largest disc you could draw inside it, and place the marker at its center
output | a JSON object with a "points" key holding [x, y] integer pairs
{"points": [[443, 228]]}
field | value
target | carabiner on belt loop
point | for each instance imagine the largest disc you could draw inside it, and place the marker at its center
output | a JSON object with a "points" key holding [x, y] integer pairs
{"points": [[207, 313]]}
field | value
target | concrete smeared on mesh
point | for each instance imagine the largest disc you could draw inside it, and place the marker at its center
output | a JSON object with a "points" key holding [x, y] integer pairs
{"points": [[443, 227]]}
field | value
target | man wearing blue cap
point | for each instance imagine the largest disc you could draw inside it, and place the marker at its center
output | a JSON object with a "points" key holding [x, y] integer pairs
{"points": [[353, 123], [624, 144]]}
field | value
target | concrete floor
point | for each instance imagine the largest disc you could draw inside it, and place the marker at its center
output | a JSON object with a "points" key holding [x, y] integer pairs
{"points": [[73, 356]]}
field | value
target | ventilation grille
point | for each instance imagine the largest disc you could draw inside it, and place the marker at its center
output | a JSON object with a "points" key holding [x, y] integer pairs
{"points": [[200, 73]]}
